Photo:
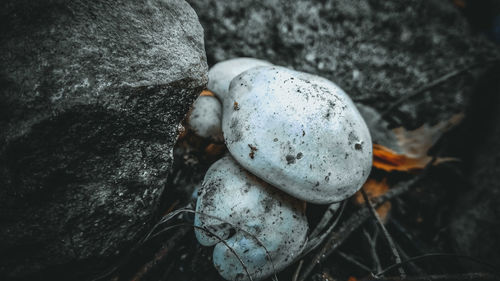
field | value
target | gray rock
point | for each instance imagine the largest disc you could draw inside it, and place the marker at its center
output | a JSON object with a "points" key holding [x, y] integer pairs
{"points": [[378, 52], [91, 96]]}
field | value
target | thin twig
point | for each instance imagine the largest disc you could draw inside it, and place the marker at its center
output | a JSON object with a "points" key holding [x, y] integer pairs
{"points": [[327, 216], [316, 241], [111, 270], [478, 261], [228, 247], [373, 248], [474, 276], [354, 261], [161, 254], [178, 211], [431, 85], [418, 244], [338, 237], [423, 89], [216, 237], [387, 236], [152, 233], [297, 271], [412, 265]]}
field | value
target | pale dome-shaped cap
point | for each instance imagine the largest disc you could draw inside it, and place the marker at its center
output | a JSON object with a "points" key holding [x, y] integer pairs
{"points": [[298, 132], [262, 217], [205, 118], [221, 74]]}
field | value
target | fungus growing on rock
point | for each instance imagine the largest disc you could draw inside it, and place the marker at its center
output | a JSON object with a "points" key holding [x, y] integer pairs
{"points": [[205, 117], [298, 132], [221, 74], [262, 228]]}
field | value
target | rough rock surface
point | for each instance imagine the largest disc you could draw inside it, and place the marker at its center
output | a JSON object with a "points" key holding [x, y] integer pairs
{"points": [[91, 95], [377, 51]]}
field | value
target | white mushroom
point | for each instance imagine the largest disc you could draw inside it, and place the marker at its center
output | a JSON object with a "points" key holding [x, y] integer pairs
{"points": [[297, 131], [221, 74], [267, 223], [205, 117]]}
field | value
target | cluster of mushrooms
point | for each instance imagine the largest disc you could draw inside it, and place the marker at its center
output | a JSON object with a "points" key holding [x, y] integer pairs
{"points": [[292, 138]]}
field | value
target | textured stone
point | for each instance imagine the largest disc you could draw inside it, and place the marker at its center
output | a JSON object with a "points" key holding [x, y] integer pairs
{"points": [[91, 97], [377, 51]]}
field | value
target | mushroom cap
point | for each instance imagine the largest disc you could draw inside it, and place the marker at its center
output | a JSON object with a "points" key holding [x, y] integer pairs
{"points": [[262, 217], [298, 132], [205, 117], [221, 74]]}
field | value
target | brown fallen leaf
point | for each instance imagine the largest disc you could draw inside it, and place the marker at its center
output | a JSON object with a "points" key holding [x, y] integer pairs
{"points": [[388, 160], [414, 146], [416, 143]]}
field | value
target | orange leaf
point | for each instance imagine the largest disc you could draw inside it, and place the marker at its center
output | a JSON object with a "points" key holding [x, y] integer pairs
{"points": [[414, 146], [388, 160], [207, 93]]}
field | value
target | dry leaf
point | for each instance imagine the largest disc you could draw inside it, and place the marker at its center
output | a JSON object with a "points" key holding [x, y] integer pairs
{"points": [[375, 189], [388, 160], [414, 146], [417, 143], [207, 93]]}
